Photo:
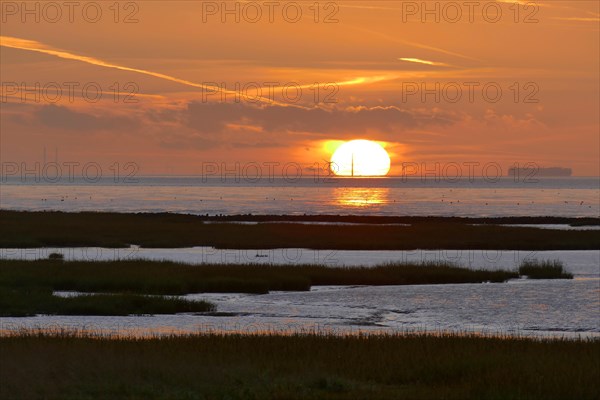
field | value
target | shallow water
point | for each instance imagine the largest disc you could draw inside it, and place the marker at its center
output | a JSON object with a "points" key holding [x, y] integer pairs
{"points": [[566, 308]]}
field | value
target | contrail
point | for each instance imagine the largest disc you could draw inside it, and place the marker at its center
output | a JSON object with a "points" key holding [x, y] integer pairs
{"points": [[45, 90], [582, 19], [426, 62], [351, 82], [32, 45], [413, 44]]}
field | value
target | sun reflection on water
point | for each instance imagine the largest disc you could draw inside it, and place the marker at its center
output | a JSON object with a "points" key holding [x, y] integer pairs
{"points": [[360, 197]]}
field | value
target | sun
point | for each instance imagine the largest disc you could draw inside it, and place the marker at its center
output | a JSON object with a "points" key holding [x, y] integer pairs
{"points": [[360, 158]]}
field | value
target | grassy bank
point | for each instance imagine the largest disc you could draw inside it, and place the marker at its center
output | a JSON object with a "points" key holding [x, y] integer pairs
{"points": [[169, 278], [298, 367], [55, 229], [547, 269], [34, 300]]}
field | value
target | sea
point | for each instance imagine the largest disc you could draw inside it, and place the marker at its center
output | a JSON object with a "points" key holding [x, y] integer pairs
{"points": [[569, 196]]}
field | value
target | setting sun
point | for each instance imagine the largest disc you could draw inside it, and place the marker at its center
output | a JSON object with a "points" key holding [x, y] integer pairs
{"points": [[360, 158]]}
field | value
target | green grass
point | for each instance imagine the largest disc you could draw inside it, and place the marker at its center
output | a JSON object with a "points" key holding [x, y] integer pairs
{"points": [[58, 229], [547, 269], [34, 300], [56, 257], [170, 278], [68, 366]]}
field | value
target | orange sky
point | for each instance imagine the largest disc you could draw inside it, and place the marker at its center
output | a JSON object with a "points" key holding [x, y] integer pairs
{"points": [[371, 67]]}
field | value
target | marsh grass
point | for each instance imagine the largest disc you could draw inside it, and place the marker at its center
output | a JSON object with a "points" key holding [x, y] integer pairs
{"points": [[170, 278], [297, 366], [164, 230], [35, 300], [56, 257], [545, 269]]}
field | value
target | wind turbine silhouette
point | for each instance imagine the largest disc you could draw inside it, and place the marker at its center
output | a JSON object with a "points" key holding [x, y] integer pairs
{"points": [[329, 164]]}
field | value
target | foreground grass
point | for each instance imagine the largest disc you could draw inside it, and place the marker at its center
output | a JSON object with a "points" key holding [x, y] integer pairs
{"points": [[52, 229], [170, 278], [297, 367], [547, 269], [26, 302]]}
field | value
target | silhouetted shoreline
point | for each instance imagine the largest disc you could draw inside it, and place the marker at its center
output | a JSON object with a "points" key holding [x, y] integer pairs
{"points": [[22, 229]]}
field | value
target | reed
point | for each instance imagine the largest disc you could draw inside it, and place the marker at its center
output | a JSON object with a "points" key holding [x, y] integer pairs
{"points": [[171, 278], [546, 269], [34, 300], [297, 366]]}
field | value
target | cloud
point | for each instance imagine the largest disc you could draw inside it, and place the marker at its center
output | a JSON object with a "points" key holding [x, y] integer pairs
{"points": [[59, 117], [215, 118]]}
